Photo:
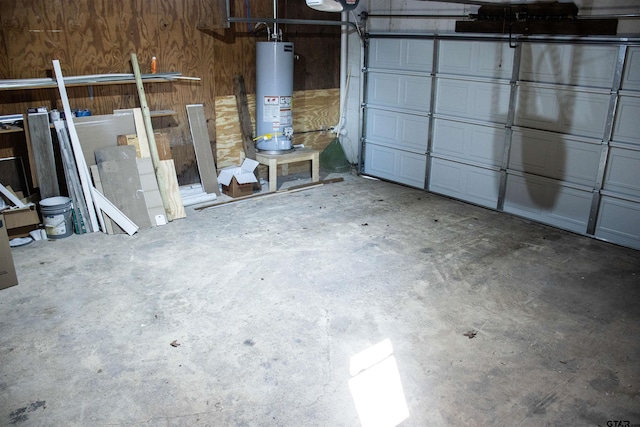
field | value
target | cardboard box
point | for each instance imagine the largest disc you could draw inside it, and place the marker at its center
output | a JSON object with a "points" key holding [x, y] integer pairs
{"points": [[20, 221], [238, 181], [8, 276], [235, 189]]}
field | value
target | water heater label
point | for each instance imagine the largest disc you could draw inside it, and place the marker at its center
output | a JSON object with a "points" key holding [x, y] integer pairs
{"points": [[285, 111], [271, 110]]}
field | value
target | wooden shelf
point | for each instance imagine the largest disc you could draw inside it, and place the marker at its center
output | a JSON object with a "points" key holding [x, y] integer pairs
{"points": [[97, 80], [11, 129]]}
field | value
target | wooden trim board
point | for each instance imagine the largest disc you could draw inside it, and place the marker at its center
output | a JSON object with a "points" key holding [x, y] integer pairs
{"points": [[202, 147], [45, 162]]}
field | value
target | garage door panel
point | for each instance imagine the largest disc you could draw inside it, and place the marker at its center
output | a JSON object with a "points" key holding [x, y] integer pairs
{"points": [[576, 65], [401, 54], [395, 165], [479, 59], [623, 172], [555, 156], [473, 100], [548, 202], [564, 111], [631, 76], [468, 142], [619, 222], [465, 182], [399, 130], [627, 123], [398, 91]]}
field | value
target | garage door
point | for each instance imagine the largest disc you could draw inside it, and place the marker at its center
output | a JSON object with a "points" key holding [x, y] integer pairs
{"points": [[547, 131]]}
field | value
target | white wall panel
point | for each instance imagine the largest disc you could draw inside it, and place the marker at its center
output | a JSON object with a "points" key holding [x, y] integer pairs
{"points": [[480, 59], [399, 130], [631, 76], [619, 222], [482, 145], [548, 201], [473, 100], [465, 182], [576, 65], [623, 172], [627, 122], [565, 111], [396, 165], [399, 91], [401, 54], [554, 155]]}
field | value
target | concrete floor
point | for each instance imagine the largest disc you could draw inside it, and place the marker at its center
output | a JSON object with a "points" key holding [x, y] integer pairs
{"points": [[268, 300]]}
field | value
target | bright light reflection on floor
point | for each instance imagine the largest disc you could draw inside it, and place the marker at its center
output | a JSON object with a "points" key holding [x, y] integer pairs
{"points": [[376, 387]]}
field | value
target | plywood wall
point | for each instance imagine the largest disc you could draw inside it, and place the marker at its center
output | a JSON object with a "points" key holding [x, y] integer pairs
{"points": [[98, 36]]}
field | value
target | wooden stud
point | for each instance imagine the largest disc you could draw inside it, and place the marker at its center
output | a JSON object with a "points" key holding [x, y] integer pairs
{"points": [[153, 149], [202, 146], [45, 162]]}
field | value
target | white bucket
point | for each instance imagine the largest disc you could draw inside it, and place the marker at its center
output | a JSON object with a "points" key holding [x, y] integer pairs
{"points": [[56, 217]]}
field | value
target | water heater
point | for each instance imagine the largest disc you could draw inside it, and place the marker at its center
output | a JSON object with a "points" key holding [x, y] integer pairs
{"points": [[274, 95]]}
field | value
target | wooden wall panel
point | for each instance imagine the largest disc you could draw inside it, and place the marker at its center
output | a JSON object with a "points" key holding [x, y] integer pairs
{"points": [[98, 36]]}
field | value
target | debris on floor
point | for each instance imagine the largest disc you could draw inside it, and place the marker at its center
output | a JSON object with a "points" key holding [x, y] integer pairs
{"points": [[471, 334]]}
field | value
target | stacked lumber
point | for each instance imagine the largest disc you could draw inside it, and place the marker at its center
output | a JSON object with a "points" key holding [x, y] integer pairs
{"points": [[128, 182]]}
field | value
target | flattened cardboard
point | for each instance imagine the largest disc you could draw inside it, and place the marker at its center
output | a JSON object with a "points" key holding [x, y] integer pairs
{"points": [[8, 275], [20, 221]]}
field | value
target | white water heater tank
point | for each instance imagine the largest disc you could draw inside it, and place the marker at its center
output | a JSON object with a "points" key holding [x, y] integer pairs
{"points": [[274, 95]]}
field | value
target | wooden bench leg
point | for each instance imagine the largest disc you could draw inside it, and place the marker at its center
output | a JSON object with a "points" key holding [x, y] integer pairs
{"points": [[273, 175], [315, 167]]}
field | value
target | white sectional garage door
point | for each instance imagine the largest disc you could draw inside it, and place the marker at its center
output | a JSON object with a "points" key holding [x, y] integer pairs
{"points": [[398, 97], [548, 131]]}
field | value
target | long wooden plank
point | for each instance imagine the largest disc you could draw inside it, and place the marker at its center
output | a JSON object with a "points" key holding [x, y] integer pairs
{"points": [[71, 174], [110, 227], [176, 208], [289, 190], [246, 129], [44, 157], [153, 149], [202, 147], [141, 131], [83, 171]]}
